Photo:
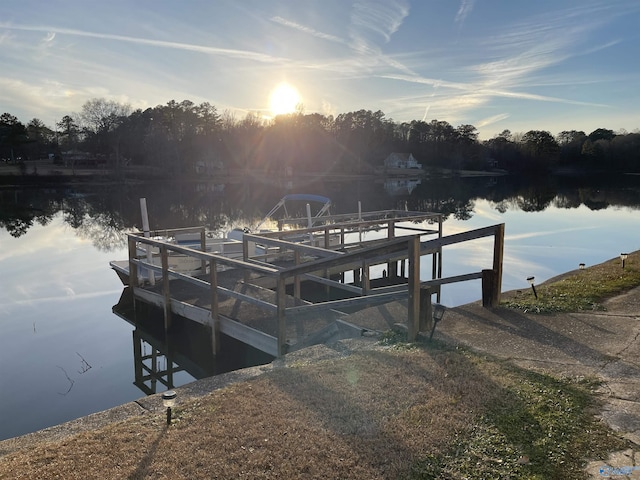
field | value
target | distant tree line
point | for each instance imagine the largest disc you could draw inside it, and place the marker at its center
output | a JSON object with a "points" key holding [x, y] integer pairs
{"points": [[187, 139]]}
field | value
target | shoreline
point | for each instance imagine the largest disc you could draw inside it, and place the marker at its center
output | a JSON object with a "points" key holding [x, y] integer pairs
{"points": [[451, 331]]}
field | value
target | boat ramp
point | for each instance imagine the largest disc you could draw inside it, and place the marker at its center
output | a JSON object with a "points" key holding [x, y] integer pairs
{"points": [[296, 287]]}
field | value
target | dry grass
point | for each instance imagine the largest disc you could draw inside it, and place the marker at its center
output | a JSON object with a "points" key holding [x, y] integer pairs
{"points": [[582, 290], [415, 412]]}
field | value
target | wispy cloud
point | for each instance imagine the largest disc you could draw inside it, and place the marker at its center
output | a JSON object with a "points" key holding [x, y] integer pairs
{"points": [[307, 30], [465, 9], [525, 52], [380, 17], [525, 236], [226, 52], [491, 120]]}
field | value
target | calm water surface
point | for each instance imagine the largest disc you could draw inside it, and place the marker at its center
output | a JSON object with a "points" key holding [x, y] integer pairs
{"points": [[65, 354]]}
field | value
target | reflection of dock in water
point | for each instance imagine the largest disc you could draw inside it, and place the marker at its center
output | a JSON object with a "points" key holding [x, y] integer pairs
{"points": [[178, 356]]}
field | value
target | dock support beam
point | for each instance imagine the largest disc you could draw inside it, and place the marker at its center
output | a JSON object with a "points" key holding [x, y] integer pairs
{"points": [[492, 279], [133, 267], [426, 312], [215, 321], [166, 292], [498, 253], [414, 289], [282, 325]]}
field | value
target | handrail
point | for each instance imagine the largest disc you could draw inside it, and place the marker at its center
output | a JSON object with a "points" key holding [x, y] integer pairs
{"points": [[408, 247]]}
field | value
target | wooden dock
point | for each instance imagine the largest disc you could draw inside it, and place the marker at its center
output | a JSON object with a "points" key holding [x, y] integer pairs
{"points": [[293, 293]]}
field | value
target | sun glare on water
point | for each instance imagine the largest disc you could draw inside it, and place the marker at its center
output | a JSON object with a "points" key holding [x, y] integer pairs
{"points": [[284, 99]]}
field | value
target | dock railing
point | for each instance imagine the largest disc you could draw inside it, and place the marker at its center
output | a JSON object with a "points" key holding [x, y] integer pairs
{"points": [[307, 263]]}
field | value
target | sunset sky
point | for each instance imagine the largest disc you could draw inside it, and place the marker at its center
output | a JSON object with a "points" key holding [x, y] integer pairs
{"points": [[520, 65]]}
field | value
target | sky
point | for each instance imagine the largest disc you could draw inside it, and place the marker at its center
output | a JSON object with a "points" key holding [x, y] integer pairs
{"points": [[496, 64]]}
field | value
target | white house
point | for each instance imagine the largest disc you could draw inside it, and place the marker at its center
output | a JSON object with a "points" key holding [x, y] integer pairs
{"points": [[401, 161]]}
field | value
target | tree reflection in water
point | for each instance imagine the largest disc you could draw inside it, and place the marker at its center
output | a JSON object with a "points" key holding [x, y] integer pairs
{"points": [[104, 213]]}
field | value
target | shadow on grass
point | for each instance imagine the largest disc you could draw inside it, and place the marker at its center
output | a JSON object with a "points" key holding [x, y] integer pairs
{"points": [[432, 413], [143, 469]]}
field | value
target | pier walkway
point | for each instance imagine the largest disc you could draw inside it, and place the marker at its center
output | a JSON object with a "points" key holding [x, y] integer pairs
{"points": [[285, 294]]}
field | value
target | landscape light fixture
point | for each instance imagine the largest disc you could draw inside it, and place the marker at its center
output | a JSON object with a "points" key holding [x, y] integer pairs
{"points": [[533, 287], [169, 400], [581, 266], [623, 257], [438, 313]]}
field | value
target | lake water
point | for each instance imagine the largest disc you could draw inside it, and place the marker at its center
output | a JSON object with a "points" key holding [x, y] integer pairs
{"points": [[66, 354]]}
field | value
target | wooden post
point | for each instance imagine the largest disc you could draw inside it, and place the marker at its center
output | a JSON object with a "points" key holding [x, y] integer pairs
{"points": [[413, 319], [327, 288], [169, 359], [215, 321], [133, 268], [137, 357], [426, 313], [166, 293], [282, 325], [392, 267], [296, 296], [245, 257], [245, 249], [366, 282], [488, 284], [296, 279], [439, 257], [147, 234], [203, 247], [498, 253]]}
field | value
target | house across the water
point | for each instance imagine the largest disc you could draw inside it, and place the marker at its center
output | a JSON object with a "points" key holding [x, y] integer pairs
{"points": [[401, 164]]}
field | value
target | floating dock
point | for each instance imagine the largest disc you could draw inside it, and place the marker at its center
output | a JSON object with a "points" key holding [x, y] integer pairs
{"points": [[285, 295]]}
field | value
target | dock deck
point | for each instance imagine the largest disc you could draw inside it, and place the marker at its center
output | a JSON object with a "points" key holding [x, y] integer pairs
{"points": [[294, 294]]}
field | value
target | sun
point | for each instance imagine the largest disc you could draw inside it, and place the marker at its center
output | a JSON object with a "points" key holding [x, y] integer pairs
{"points": [[284, 99]]}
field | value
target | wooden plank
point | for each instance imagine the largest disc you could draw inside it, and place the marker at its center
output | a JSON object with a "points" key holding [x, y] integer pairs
{"points": [[429, 283], [224, 260], [423, 231], [457, 278], [264, 305], [383, 253], [232, 328], [333, 283], [257, 339], [192, 312], [298, 247], [431, 245], [368, 300], [184, 309], [350, 221], [345, 260]]}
